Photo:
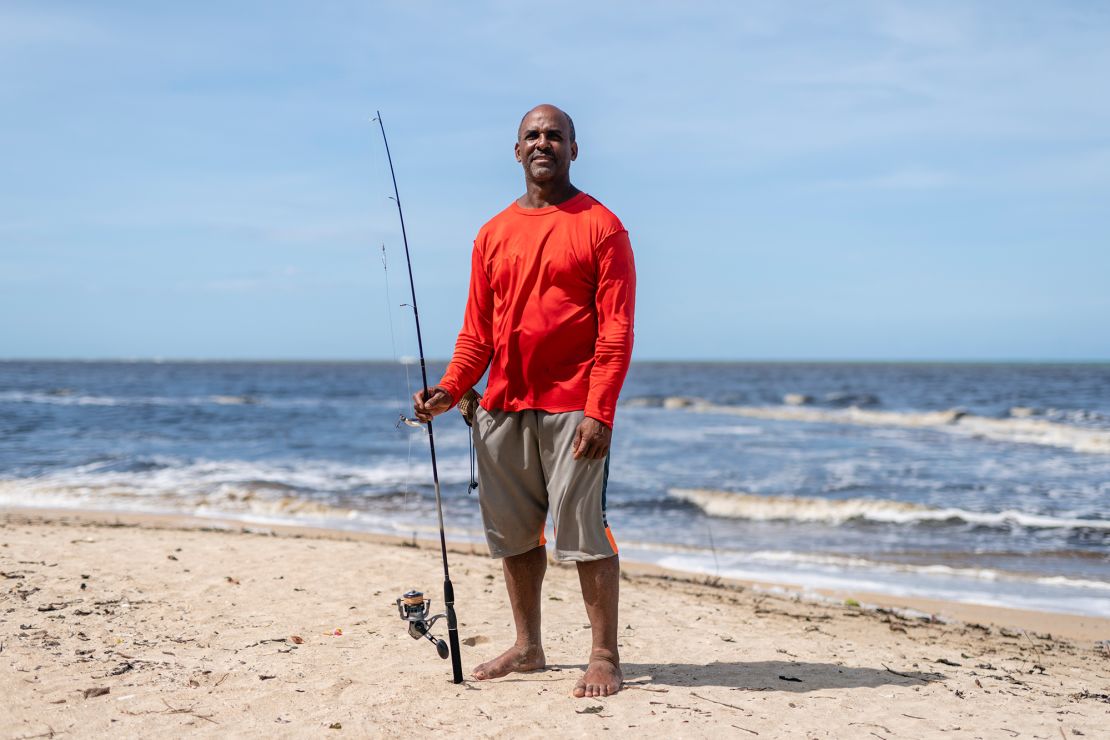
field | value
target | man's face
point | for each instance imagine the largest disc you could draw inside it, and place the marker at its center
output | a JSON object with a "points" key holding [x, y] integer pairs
{"points": [[544, 147]]}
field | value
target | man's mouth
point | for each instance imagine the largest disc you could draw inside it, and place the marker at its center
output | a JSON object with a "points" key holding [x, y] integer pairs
{"points": [[543, 158]]}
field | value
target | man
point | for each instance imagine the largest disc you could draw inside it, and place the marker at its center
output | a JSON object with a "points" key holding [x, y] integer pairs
{"points": [[550, 312]]}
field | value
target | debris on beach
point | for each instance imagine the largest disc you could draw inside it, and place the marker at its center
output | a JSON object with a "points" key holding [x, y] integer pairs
{"points": [[1087, 694]]}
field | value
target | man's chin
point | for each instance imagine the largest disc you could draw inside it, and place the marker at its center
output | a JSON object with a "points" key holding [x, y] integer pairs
{"points": [[542, 173]]}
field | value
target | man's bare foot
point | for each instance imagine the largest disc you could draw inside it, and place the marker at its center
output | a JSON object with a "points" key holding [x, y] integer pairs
{"points": [[514, 660], [603, 677]]}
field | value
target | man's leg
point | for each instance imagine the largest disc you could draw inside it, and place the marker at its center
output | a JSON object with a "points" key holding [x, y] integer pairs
{"points": [[524, 580], [513, 499], [600, 581], [576, 490]]}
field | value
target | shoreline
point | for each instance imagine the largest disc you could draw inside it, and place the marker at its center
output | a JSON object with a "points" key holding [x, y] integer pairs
{"points": [[1087, 628]]}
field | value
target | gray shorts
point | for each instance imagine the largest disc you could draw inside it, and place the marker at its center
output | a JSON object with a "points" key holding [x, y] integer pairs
{"points": [[526, 467]]}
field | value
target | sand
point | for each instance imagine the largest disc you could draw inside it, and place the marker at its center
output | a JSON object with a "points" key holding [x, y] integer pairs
{"points": [[153, 627]]}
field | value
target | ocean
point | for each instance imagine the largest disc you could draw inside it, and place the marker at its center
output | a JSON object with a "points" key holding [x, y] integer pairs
{"points": [[981, 483]]}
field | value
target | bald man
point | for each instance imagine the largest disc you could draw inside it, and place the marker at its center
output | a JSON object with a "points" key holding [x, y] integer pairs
{"points": [[550, 313]]}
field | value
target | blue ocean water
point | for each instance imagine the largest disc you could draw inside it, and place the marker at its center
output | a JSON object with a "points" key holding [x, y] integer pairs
{"points": [[984, 483]]}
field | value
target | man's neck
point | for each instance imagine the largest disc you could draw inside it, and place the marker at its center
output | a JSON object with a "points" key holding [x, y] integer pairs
{"points": [[542, 195]]}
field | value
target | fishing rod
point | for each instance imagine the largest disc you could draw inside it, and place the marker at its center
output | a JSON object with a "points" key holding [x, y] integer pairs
{"points": [[412, 607]]}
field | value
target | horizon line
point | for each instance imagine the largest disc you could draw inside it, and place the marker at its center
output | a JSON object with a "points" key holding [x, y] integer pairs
{"points": [[648, 360]]}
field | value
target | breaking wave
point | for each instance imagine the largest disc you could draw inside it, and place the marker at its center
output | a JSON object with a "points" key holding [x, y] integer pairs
{"points": [[296, 488], [228, 500], [753, 507], [1017, 428]]}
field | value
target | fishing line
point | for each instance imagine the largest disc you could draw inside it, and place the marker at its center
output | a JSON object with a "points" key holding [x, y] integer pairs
{"points": [[408, 487], [412, 607], [712, 546], [392, 334]]}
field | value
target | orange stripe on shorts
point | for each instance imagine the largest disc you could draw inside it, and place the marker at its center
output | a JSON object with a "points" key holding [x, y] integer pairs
{"points": [[612, 542]]}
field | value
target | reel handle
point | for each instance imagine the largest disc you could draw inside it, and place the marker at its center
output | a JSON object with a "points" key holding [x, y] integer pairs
{"points": [[441, 646]]}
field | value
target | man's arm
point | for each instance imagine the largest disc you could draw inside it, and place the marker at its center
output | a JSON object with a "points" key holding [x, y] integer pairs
{"points": [[616, 307], [473, 348]]}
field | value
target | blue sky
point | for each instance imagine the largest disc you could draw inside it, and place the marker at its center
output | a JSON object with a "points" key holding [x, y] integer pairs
{"points": [[854, 180]]}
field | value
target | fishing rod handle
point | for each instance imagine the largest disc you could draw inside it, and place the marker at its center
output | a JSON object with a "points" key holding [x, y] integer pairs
{"points": [[453, 631]]}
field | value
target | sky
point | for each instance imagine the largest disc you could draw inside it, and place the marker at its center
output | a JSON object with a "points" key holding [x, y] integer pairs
{"points": [[829, 181]]}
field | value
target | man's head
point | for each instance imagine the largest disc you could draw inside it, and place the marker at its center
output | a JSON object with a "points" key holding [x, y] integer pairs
{"points": [[545, 144]]}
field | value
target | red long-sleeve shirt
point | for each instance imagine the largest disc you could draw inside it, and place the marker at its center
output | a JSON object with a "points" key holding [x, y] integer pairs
{"points": [[552, 299]]}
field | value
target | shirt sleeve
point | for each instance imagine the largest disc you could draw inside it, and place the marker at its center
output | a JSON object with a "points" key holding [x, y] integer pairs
{"points": [[616, 308], [474, 347]]}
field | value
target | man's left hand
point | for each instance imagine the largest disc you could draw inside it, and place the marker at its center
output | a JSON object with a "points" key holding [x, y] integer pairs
{"points": [[591, 439]]}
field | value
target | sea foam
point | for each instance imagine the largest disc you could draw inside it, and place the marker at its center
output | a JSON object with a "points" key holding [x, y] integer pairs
{"points": [[726, 504]]}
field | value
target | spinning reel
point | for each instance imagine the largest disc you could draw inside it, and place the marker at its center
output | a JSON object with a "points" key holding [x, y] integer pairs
{"points": [[414, 609]]}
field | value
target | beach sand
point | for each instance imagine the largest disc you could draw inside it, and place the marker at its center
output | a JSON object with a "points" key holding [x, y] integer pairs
{"points": [[145, 626]]}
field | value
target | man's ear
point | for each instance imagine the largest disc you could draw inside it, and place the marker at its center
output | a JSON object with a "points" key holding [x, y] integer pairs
{"points": [[573, 151], [516, 151]]}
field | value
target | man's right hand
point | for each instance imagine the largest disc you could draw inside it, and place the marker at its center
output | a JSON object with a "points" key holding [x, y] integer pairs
{"points": [[430, 402]]}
